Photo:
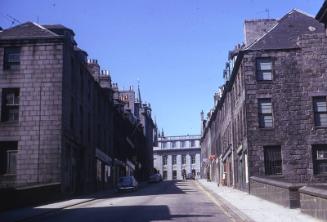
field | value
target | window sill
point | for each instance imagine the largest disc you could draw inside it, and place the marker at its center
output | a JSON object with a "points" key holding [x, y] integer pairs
{"points": [[266, 129], [11, 72], [264, 81], [10, 123], [8, 175], [279, 176], [320, 127], [321, 175]]}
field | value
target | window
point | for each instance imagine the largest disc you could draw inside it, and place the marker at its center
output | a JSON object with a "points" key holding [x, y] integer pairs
{"points": [[163, 145], [265, 113], [320, 111], [182, 144], [319, 154], [192, 159], [192, 143], [11, 58], [11, 161], [264, 69], [8, 153], [183, 159], [174, 159], [273, 160], [10, 105], [174, 175], [173, 144], [164, 160], [164, 175]]}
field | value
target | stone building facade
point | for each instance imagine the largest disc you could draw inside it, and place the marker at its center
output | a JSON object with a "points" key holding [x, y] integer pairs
{"points": [[60, 122], [176, 156], [270, 118]]}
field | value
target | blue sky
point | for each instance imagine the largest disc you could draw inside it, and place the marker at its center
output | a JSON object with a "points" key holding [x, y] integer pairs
{"points": [[177, 48]]}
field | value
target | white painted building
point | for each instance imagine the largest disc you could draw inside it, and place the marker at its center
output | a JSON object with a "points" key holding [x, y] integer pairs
{"points": [[176, 155]]}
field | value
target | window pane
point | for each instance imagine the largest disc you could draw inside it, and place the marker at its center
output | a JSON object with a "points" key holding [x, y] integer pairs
{"points": [[268, 122], [192, 159], [322, 168], [265, 107], [266, 75], [323, 119], [13, 58], [321, 106], [322, 154], [265, 65]]}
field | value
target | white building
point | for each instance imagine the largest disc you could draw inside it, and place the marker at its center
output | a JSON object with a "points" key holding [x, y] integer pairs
{"points": [[176, 155]]}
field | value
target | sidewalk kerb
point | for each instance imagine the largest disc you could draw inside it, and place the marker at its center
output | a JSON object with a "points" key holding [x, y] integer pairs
{"points": [[228, 206]]}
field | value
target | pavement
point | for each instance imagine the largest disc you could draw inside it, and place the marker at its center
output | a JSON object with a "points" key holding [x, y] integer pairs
{"points": [[252, 208]]}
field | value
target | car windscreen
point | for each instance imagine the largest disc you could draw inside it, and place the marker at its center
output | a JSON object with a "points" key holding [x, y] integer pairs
{"points": [[124, 179]]}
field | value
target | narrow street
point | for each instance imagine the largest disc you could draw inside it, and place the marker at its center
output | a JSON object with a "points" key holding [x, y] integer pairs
{"points": [[168, 200]]}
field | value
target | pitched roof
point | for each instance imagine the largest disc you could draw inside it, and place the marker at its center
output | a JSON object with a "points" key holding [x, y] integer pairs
{"points": [[26, 31], [322, 14], [57, 28], [285, 33]]}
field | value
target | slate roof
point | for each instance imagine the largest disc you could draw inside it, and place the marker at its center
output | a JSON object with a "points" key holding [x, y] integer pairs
{"points": [[322, 14], [28, 30], [57, 28], [285, 33]]}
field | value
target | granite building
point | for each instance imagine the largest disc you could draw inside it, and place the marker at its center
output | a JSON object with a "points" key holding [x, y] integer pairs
{"points": [[55, 116], [60, 122], [176, 156], [269, 118]]}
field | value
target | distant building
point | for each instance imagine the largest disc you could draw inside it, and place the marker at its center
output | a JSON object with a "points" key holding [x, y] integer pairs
{"points": [[177, 155]]}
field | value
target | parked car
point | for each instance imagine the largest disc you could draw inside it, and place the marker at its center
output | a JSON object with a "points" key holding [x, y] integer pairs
{"points": [[155, 178], [127, 183], [190, 176]]}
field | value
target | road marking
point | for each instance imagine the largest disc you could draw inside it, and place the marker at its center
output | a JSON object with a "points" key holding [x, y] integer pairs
{"points": [[214, 200]]}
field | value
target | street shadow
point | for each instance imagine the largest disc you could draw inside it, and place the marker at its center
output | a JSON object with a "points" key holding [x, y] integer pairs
{"points": [[162, 188], [120, 214]]}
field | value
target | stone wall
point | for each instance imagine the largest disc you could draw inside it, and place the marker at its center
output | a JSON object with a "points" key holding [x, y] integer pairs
{"points": [[280, 192], [298, 75], [38, 130], [314, 201]]}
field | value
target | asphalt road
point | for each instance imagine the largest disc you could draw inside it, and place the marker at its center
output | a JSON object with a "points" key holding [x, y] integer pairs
{"points": [[165, 201]]}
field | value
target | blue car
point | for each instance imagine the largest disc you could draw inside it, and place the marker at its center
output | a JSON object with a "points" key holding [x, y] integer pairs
{"points": [[127, 183]]}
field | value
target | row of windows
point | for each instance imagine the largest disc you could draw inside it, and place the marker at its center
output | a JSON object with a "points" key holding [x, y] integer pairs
{"points": [[265, 112], [182, 144], [174, 174], [273, 159], [174, 159]]}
